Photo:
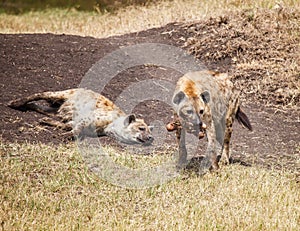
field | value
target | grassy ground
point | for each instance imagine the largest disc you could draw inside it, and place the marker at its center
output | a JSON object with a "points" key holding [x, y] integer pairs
{"points": [[50, 188], [130, 19]]}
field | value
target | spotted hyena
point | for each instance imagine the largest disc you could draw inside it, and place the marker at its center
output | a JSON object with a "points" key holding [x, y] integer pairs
{"points": [[206, 102], [86, 113]]}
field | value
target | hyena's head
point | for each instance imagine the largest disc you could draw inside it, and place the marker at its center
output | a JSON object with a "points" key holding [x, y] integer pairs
{"points": [[130, 130], [191, 110]]}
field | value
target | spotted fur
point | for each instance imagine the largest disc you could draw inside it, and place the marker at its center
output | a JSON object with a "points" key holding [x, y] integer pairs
{"points": [[86, 113], [207, 99]]}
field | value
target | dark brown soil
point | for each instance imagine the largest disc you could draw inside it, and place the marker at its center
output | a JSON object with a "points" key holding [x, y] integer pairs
{"points": [[31, 63]]}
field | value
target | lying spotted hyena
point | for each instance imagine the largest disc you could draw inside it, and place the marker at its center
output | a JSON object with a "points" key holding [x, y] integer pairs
{"points": [[85, 113], [206, 102]]}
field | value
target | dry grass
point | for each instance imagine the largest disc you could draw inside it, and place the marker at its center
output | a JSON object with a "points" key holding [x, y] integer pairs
{"points": [[50, 188], [126, 20]]}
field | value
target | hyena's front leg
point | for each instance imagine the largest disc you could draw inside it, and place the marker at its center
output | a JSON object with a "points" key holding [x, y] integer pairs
{"points": [[212, 151], [55, 123], [211, 159], [182, 158], [175, 125]]}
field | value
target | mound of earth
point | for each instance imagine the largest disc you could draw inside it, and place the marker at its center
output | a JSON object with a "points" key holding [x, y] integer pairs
{"points": [[256, 47], [262, 48]]}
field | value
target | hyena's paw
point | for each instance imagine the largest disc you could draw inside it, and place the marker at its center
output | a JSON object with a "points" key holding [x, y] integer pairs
{"points": [[207, 165], [225, 160], [214, 167]]}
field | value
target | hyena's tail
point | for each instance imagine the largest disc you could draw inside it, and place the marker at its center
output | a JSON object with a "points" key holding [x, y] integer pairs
{"points": [[243, 119]]}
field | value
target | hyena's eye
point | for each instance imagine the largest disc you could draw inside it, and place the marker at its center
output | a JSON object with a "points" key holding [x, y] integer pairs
{"points": [[142, 128], [201, 111], [189, 112]]}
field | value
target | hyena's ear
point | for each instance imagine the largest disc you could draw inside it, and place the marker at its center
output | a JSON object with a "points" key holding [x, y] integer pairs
{"points": [[177, 99], [129, 119], [205, 96]]}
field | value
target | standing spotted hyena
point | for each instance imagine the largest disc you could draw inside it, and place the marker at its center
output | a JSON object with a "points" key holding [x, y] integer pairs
{"points": [[85, 113], [206, 102]]}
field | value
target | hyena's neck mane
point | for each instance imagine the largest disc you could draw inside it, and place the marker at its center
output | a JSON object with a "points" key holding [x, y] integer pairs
{"points": [[113, 128], [106, 124]]}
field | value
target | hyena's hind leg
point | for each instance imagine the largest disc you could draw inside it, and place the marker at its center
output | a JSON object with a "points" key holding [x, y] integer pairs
{"points": [[226, 158], [229, 119], [55, 99], [233, 112], [43, 109]]}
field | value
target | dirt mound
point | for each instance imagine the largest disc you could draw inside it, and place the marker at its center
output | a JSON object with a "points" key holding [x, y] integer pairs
{"points": [[256, 47], [262, 47]]}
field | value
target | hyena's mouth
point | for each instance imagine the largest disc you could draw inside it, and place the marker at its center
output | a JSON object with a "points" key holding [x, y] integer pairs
{"points": [[192, 129], [199, 130], [194, 132], [146, 141], [140, 140]]}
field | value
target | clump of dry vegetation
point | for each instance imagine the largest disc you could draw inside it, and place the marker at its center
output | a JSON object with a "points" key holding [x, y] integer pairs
{"points": [[262, 46]]}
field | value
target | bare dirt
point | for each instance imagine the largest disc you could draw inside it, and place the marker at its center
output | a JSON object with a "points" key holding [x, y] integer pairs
{"points": [[254, 47]]}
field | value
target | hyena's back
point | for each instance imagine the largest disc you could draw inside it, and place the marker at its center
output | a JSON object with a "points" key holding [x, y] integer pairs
{"points": [[60, 97], [218, 84], [66, 102]]}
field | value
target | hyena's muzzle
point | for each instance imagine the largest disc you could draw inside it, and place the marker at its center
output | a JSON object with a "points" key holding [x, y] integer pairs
{"points": [[193, 124]]}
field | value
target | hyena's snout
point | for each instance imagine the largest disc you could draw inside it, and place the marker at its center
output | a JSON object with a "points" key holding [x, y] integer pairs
{"points": [[197, 128], [146, 138], [193, 126], [149, 138]]}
